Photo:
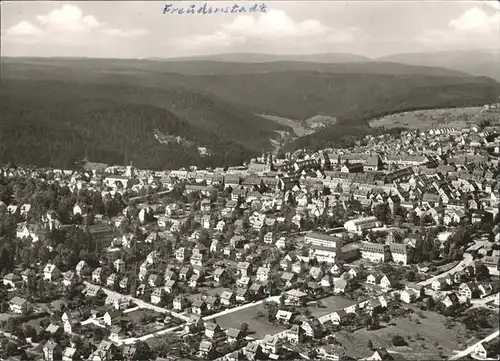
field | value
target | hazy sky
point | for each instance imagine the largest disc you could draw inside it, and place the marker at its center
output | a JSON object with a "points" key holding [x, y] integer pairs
{"points": [[140, 29]]}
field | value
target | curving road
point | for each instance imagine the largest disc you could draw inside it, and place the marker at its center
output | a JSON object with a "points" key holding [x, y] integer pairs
{"points": [[460, 266], [471, 349]]}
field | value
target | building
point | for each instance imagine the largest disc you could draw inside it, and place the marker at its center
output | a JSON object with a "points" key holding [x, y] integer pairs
{"points": [[323, 247], [19, 305], [12, 281], [360, 224], [375, 252], [51, 351], [401, 253], [51, 273]]}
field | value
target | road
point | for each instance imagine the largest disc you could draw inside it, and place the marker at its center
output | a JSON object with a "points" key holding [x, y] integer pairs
{"points": [[471, 349], [463, 263], [132, 340], [141, 303]]}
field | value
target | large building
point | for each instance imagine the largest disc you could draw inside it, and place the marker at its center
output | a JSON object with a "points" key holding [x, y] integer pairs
{"points": [[323, 247], [360, 224], [401, 253], [375, 252]]}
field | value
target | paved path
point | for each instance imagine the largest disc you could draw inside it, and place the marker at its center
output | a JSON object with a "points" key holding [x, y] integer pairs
{"points": [[132, 340], [460, 266], [471, 349]]}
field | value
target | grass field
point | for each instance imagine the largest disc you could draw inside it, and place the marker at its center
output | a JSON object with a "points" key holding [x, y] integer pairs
{"points": [[259, 325], [427, 340], [457, 118], [330, 304]]}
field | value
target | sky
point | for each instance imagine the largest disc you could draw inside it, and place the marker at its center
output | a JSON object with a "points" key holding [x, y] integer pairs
{"points": [[128, 29]]}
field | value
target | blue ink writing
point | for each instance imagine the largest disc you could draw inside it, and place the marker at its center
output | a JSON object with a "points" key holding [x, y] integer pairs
{"points": [[205, 9]]}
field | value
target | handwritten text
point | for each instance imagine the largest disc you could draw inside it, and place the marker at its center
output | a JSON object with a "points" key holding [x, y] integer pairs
{"points": [[205, 9]]}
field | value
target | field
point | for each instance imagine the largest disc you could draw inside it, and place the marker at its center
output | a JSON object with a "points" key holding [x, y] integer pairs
{"points": [[297, 127], [329, 304], [427, 340], [256, 319], [457, 118]]}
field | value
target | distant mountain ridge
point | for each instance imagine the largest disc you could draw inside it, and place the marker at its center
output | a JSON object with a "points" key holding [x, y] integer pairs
{"points": [[65, 67], [480, 62], [266, 58]]}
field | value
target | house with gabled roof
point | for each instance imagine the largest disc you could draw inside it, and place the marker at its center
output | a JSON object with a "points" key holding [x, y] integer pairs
{"points": [[212, 302], [242, 294], [12, 280], [158, 296], [227, 298], [263, 274], [51, 273], [253, 351], [409, 295], [271, 344], [234, 335], [381, 354], [19, 305], [206, 349], [439, 284], [70, 354], [469, 290], [198, 307], [244, 269], [180, 302], [51, 351], [401, 253]]}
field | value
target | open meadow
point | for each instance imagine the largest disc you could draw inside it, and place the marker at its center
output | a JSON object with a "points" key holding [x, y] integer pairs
{"points": [[425, 333], [457, 118]]}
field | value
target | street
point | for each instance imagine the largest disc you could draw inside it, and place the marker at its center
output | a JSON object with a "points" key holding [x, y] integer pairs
{"points": [[471, 349], [140, 303], [463, 263]]}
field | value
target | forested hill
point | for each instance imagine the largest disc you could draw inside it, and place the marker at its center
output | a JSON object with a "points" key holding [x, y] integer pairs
{"points": [[55, 111], [355, 123], [56, 123]]}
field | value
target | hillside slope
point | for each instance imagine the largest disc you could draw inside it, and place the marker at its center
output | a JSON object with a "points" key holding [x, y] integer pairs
{"points": [[215, 110], [354, 124], [296, 94], [57, 123]]}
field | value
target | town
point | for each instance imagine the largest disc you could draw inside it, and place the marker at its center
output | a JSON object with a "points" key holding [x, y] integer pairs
{"points": [[388, 250]]}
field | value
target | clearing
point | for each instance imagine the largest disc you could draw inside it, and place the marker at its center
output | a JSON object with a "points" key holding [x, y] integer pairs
{"points": [[328, 305], [296, 125], [457, 118], [255, 317], [428, 336]]}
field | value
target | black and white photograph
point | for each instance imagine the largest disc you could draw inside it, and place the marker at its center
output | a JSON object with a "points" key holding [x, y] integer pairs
{"points": [[250, 180]]}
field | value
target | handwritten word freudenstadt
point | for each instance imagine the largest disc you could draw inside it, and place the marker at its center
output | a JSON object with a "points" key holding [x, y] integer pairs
{"points": [[205, 9]]}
